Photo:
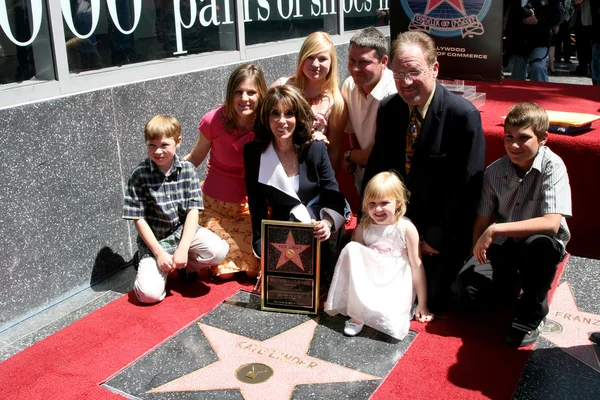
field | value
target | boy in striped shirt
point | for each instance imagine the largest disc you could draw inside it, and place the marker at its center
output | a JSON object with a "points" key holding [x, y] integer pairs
{"points": [[520, 232]]}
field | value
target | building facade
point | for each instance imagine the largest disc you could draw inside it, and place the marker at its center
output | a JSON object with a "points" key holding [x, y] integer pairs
{"points": [[78, 81]]}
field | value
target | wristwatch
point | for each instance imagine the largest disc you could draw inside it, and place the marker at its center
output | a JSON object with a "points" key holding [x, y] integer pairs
{"points": [[347, 155]]}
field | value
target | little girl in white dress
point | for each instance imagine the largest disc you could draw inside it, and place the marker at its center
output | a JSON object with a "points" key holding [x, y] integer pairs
{"points": [[378, 273]]}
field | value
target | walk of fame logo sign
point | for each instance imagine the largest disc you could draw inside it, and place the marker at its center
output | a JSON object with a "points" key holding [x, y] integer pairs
{"points": [[569, 328], [447, 18], [467, 34]]}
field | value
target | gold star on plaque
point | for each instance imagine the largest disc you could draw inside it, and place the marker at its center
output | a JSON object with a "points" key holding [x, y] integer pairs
{"points": [[265, 370], [290, 251]]}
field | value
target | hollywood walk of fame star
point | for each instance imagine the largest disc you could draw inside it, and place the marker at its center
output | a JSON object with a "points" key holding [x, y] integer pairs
{"points": [[576, 326], [457, 4], [290, 251], [285, 354]]}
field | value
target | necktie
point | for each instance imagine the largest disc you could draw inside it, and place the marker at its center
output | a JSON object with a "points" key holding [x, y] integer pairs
{"points": [[412, 136]]}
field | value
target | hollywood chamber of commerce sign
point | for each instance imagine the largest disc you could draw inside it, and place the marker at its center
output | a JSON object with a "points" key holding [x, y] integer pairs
{"points": [[210, 12]]}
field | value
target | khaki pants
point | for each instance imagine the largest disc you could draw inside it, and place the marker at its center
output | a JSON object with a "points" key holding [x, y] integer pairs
{"points": [[206, 249]]}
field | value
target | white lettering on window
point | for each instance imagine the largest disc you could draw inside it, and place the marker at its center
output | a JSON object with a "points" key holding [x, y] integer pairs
{"points": [[137, 12], [68, 16], [36, 16]]}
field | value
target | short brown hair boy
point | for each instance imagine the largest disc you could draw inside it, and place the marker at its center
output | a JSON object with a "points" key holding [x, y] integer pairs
{"points": [[526, 115], [162, 126]]}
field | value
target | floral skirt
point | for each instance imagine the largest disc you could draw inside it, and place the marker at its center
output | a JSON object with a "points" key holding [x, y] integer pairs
{"points": [[231, 222]]}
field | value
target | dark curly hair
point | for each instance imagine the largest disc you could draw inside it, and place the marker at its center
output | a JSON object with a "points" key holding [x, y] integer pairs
{"points": [[290, 97]]}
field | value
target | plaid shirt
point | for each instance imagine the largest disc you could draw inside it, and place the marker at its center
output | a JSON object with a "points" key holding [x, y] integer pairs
{"points": [[162, 200]]}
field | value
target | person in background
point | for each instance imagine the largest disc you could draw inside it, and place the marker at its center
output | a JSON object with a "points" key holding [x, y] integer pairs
{"points": [[529, 31], [224, 131]]}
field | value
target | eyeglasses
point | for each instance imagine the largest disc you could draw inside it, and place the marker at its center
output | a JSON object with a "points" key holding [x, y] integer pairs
{"points": [[399, 76]]}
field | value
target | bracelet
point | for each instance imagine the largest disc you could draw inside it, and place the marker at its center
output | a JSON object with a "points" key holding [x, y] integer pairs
{"points": [[348, 154]]}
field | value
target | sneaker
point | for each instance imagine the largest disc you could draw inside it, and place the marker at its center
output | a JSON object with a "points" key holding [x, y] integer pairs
{"points": [[520, 336], [187, 277], [595, 337], [352, 329]]}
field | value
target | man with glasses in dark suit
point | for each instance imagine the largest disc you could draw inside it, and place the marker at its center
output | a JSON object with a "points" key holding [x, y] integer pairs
{"points": [[434, 140]]}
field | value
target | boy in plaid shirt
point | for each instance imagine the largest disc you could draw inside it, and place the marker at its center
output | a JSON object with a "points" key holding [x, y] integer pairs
{"points": [[163, 197]]}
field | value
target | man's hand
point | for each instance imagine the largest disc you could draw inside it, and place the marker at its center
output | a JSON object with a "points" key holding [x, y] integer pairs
{"points": [[322, 229], [427, 250], [531, 20], [180, 259], [164, 261], [483, 243]]}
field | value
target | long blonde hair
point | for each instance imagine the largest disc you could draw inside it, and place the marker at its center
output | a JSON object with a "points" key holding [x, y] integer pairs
{"points": [[384, 185], [314, 43]]}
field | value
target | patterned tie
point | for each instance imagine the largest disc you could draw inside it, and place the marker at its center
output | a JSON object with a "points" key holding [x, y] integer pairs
{"points": [[412, 136]]}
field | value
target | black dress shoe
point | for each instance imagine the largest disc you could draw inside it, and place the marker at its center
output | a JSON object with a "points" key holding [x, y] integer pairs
{"points": [[519, 337], [595, 337]]}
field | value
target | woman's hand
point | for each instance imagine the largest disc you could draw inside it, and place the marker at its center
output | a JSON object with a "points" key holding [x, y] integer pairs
{"points": [[322, 229], [318, 136]]}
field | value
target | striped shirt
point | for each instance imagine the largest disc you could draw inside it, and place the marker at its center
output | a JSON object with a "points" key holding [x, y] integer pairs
{"points": [[162, 200], [543, 190]]}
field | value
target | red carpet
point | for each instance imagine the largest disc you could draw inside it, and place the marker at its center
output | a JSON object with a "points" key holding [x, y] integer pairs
{"points": [[460, 358]]}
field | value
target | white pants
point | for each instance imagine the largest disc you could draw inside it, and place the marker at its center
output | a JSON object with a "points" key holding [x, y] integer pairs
{"points": [[206, 249]]}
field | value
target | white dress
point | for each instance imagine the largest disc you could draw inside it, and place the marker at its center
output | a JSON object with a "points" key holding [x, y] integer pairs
{"points": [[373, 282]]}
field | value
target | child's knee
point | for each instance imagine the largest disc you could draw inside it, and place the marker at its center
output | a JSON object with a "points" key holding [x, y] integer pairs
{"points": [[150, 282], [221, 252]]}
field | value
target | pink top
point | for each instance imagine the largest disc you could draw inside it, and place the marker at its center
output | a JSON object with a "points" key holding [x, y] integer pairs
{"points": [[225, 177]]}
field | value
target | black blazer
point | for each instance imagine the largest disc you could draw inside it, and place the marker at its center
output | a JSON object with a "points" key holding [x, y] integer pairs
{"points": [[447, 168], [264, 190]]}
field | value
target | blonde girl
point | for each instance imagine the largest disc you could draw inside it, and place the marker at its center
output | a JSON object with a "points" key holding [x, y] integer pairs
{"points": [[379, 274], [317, 78]]}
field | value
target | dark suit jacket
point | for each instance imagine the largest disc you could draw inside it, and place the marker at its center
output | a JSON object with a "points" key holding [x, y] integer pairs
{"points": [[446, 171], [316, 178]]}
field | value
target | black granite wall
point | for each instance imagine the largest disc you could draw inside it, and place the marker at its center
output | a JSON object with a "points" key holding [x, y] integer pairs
{"points": [[63, 165]]}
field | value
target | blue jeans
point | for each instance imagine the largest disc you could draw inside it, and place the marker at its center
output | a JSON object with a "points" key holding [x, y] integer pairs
{"points": [[537, 68], [596, 64]]}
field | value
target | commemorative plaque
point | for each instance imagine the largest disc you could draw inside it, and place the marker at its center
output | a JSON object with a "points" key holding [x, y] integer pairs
{"points": [[290, 267]]}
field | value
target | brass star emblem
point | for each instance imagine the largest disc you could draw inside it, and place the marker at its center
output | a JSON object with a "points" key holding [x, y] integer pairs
{"points": [[265, 370], [569, 328], [290, 251]]}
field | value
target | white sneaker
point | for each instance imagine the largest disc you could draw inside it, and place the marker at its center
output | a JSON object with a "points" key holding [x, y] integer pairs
{"points": [[352, 329]]}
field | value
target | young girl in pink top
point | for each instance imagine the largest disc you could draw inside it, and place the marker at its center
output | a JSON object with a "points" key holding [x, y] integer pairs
{"points": [[224, 132]]}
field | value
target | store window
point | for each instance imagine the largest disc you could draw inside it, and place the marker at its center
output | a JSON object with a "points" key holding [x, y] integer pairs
{"points": [[359, 14], [273, 20], [117, 32], [25, 48]]}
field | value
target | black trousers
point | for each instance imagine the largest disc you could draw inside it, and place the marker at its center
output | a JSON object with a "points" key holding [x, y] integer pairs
{"points": [[524, 267], [440, 271]]}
